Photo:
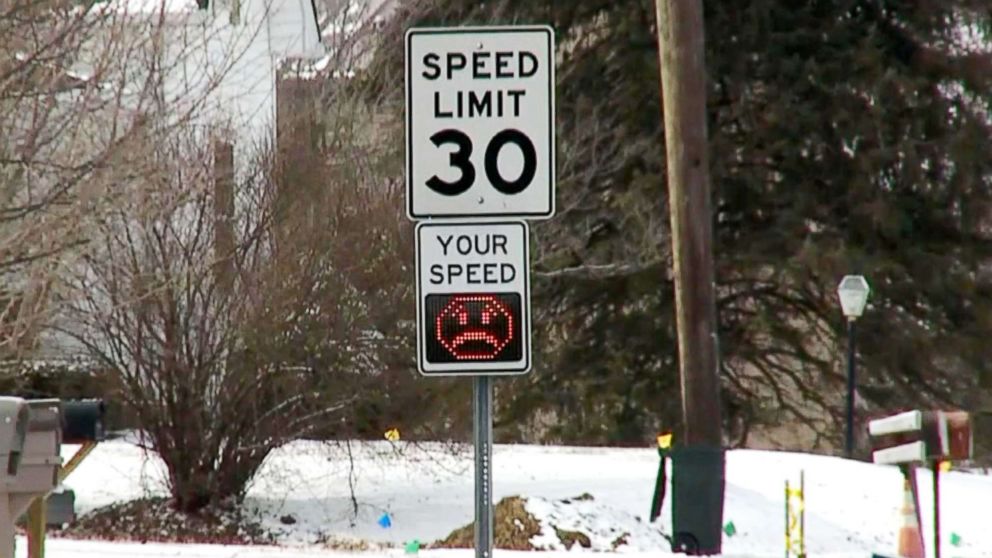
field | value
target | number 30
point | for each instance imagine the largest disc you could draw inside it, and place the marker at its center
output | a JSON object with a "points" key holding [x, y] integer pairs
{"points": [[461, 160]]}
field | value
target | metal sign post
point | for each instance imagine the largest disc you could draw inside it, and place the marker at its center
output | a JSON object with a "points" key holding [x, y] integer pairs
{"points": [[482, 436], [473, 316], [480, 131]]}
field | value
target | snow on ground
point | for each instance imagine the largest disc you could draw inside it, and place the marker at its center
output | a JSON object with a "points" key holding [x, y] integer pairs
{"points": [[606, 527], [852, 507]]}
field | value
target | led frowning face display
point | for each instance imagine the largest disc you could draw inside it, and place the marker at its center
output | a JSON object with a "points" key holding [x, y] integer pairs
{"points": [[476, 327]]}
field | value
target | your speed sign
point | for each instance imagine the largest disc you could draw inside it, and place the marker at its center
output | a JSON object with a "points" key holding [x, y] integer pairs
{"points": [[480, 122]]}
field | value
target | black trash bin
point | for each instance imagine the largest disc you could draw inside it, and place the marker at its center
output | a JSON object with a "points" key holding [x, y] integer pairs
{"points": [[697, 499]]}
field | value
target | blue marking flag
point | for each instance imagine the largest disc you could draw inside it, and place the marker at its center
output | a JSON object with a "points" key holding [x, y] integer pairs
{"points": [[385, 521]]}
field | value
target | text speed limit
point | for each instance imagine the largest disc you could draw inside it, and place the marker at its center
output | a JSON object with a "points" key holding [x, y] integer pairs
{"points": [[480, 126]]}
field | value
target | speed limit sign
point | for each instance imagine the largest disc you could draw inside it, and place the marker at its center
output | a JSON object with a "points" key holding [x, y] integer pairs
{"points": [[480, 122]]}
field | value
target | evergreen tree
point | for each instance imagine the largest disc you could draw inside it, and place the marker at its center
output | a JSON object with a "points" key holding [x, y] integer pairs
{"points": [[847, 136]]}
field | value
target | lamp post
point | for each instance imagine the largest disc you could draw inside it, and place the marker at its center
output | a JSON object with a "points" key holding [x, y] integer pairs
{"points": [[853, 293]]}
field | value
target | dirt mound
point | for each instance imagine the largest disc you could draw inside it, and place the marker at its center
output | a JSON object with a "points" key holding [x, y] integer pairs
{"points": [[513, 528], [153, 520], [563, 524]]}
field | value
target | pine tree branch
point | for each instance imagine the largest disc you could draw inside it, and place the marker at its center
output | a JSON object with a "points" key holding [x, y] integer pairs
{"points": [[601, 271]]}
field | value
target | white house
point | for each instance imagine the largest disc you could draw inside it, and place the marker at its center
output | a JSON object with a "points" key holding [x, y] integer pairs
{"points": [[209, 63], [215, 60]]}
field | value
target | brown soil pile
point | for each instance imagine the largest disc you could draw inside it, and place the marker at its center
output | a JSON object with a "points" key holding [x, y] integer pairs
{"points": [[513, 528]]}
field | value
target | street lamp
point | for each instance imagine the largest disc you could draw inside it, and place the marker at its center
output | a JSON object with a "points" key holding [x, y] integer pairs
{"points": [[853, 292]]}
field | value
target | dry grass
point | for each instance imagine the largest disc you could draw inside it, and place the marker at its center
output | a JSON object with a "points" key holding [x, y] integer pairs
{"points": [[513, 528], [152, 520], [571, 538]]}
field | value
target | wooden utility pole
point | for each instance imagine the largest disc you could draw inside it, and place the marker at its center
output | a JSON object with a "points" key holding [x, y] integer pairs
{"points": [[699, 463], [683, 84]]}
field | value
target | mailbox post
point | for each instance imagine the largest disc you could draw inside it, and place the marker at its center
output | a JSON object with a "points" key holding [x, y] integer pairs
{"points": [[38, 474], [923, 437], [78, 422], [31, 436]]}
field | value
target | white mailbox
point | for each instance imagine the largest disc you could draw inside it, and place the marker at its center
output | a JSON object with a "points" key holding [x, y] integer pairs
{"points": [[31, 441], [14, 418], [31, 435], [13, 428], [920, 436], [41, 459]]}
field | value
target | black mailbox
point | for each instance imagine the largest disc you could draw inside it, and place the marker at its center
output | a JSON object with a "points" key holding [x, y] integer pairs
{"points": [[82, 421]]}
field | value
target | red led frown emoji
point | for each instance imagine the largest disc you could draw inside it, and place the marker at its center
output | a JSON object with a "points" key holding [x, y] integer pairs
{"points": [[474, 326]]}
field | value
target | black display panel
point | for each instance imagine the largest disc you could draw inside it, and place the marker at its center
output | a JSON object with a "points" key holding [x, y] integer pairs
{"points": [[473, 327]]}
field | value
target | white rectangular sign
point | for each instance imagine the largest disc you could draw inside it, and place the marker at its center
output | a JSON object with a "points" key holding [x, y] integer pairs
{"points": [[480, 122], [473, 298]]}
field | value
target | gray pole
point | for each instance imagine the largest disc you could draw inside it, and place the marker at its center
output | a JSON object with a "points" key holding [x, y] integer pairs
{"points": [[849, 437], [482, 435]]}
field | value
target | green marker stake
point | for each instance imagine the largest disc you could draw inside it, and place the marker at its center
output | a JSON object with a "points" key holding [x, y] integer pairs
{"points": [[412, 547], [730, 529], [955, 539]]}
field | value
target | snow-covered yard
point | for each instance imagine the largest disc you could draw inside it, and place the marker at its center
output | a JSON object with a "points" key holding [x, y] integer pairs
{"points": [[852, 507]]}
